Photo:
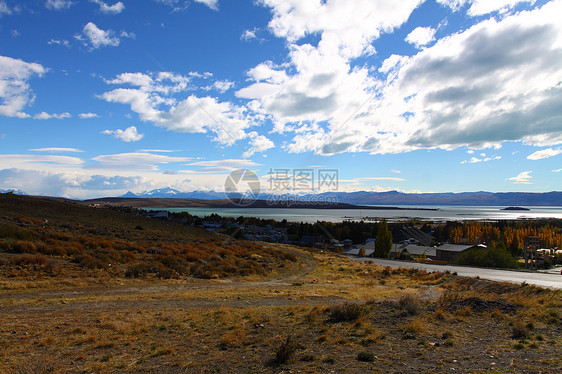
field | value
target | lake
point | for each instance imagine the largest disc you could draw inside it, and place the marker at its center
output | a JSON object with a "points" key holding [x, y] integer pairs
{"points": [[440, 213]]}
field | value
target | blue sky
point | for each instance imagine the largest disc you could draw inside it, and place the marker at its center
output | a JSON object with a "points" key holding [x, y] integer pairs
{"points": [[102, 97]]}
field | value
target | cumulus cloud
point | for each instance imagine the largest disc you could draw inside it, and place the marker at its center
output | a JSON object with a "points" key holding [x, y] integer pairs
{"points": [[15, 92], [557, 171], [116, 8], [247, 35], [522, 178], [58, 4], [467, 89], [88, 115], [545, 153], [95, 37], [258, 143], [130, 134], [45, 115], [151, 97], [421, 36]]}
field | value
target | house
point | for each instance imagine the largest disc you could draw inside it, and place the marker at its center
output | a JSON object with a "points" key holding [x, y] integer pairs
{"points": [[413, 235], [413, 250], [354, 251], [448, 252]]}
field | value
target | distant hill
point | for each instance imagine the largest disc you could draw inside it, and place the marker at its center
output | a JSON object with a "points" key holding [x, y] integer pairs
{"points": [[170, 193], [480, 198], [13, 191], [465, 198]]}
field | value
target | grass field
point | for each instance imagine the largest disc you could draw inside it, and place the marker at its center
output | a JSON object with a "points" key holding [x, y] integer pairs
{"points": [[291, 310]]}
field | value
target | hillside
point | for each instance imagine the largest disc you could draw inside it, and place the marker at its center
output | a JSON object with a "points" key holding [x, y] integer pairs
{"points": [[480, 198], [56, 236], [273, 308]]}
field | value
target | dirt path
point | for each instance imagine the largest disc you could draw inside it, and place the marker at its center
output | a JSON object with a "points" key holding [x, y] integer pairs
{"points": [[66, 298]]}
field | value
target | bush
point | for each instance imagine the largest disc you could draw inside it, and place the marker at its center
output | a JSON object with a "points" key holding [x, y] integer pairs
{"points": [[346, 312], [366, 356], [286, 350], [410, 304]]}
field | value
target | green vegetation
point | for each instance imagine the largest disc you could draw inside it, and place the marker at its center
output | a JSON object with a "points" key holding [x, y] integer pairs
{"points": [[494, 257], [383, 244]]}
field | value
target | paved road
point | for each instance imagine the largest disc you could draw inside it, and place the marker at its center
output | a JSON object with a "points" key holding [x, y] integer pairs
{"points": [[549, 280]]}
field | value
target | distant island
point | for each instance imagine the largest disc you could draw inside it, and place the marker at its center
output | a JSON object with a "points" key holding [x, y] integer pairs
{"points": [[515, 208]]}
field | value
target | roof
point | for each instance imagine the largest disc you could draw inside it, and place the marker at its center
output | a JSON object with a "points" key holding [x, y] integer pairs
{"points": [[355, 251], [418, 250], [455, 247]]}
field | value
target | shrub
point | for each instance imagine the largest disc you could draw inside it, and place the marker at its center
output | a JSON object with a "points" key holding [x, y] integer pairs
{"points": [[410, 304], [23, 246], [346, 312], [366, 356], [286, 350], [28, 259], [519, 332]]}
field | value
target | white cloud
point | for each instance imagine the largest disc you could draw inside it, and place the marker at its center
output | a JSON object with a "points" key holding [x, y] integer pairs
{"points": [[191, 115], [482, 7], [45, 115], [88, 115], [183, 4], [15, 93], [522, 178], [347, 27], [475, 160], [58, 4], [130, 134], [455, 5], [465, 90], [134, 161], [116, 8], [65, 43], [248, 35], [367, 179], [545, 153], [4, 9], [213, 4], [421, 36], [226, 163], [97, 37], [18, 160], [557, 171], [221, 86], [55, 149], [258, 143]]}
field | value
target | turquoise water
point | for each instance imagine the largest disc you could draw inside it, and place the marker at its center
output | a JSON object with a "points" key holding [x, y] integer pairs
{"points": [[441, 213]]}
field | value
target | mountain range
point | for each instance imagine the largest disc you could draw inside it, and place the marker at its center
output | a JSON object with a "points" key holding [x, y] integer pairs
{"points": [[480, 198]]}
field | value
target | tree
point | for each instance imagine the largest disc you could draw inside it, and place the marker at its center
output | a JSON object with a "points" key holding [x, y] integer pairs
{"points": [[361, 252], [383, 244]]}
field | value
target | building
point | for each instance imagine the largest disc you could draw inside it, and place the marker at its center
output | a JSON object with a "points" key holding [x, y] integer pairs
{"points": [[447, 252]]}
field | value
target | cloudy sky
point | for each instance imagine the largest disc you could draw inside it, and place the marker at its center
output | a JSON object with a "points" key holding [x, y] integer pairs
{"points": [[99, 97]]}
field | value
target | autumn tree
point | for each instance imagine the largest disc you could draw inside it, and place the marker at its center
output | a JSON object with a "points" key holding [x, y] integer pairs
{"points": [[383, 244]]}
